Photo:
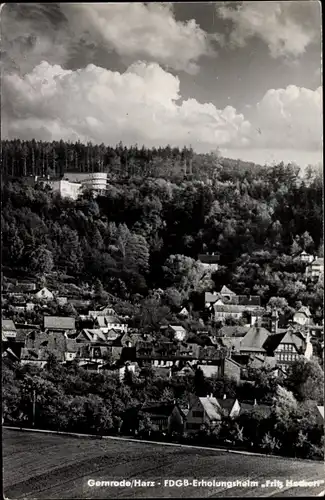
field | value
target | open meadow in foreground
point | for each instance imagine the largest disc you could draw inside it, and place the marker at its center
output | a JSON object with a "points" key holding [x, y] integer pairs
{"points": [[45, 466]]}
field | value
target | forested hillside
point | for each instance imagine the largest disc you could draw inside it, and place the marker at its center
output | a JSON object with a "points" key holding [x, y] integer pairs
{"points": [[256, 218]]}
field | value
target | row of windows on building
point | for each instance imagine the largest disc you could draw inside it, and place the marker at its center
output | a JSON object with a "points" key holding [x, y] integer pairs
{"points": [[286, 347], [286, 357]]}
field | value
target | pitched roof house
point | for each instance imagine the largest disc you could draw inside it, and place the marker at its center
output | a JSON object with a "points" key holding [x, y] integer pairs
{"points": [[226, 292], [209, 262], [209, 410], [8, 329], [286, 347], [59, 323], [254, 340], [178, 331], [302, 316], [106, 323], [316, 268], [44, 294], [165, 416]]}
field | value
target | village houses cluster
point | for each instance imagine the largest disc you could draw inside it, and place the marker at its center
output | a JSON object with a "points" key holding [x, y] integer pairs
{"points": [[101, 340]]}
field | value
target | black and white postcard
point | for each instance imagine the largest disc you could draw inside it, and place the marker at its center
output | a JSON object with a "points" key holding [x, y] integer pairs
{"points": [[162, 266]]}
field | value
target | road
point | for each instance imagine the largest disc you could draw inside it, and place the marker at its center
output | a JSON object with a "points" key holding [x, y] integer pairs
{"points": [[49, 466]]}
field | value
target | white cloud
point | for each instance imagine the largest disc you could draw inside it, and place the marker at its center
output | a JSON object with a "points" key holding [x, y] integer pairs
{"points": [[140, 105], [55, 33], [287, 27], [290, 117], [140, 30], [144, 105]]}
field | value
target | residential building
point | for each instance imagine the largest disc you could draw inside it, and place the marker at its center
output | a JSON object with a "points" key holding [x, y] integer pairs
{"points": [[91, 335], [8, 329], [183, 313], [97, 182], [286, 347], [178, 332], [44, 294], [185, 371], [106, 323], [248, 407], [71, 350], [210, 298], [316, 268], [306, 257], [302, 316], [59, 324], [165, 417], [254, 340], [209, 261], [208, 411], [66, 189], [226, 293]]}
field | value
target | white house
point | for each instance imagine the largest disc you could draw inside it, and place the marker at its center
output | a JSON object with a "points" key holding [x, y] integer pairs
{"points": [[106, 323], [306, 257], [316, 268], [302, 316], [178, 331], [209, 410], [66, 188], [44, 294]]}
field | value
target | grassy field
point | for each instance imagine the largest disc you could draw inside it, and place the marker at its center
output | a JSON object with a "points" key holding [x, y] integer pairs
{"points": [[45, 466]]}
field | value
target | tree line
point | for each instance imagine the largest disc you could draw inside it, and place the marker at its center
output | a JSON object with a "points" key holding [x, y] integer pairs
{"points": [[69, 398]]}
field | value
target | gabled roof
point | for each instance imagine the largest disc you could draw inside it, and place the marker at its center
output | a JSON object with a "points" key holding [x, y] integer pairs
{"points": [[59, 323], [177, 328], [226, 291], [157, 409], [227, 403], [288, 337], [95, 333], [44, 289], [255, 337], [211, 407]]}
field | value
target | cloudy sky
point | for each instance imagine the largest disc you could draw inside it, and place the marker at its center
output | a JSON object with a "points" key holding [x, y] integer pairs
{"points": [[243, 77]]}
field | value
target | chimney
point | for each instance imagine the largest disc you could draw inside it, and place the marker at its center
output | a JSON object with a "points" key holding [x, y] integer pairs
{"points": [[255, 402], [224, 396]]}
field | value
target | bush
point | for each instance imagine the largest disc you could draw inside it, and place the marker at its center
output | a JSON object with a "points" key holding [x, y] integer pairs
{"points": [[270, 444]]}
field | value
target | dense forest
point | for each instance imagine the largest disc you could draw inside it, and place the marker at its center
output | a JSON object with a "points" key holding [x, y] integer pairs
{"points": [[147, 232], [24, 158]]}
